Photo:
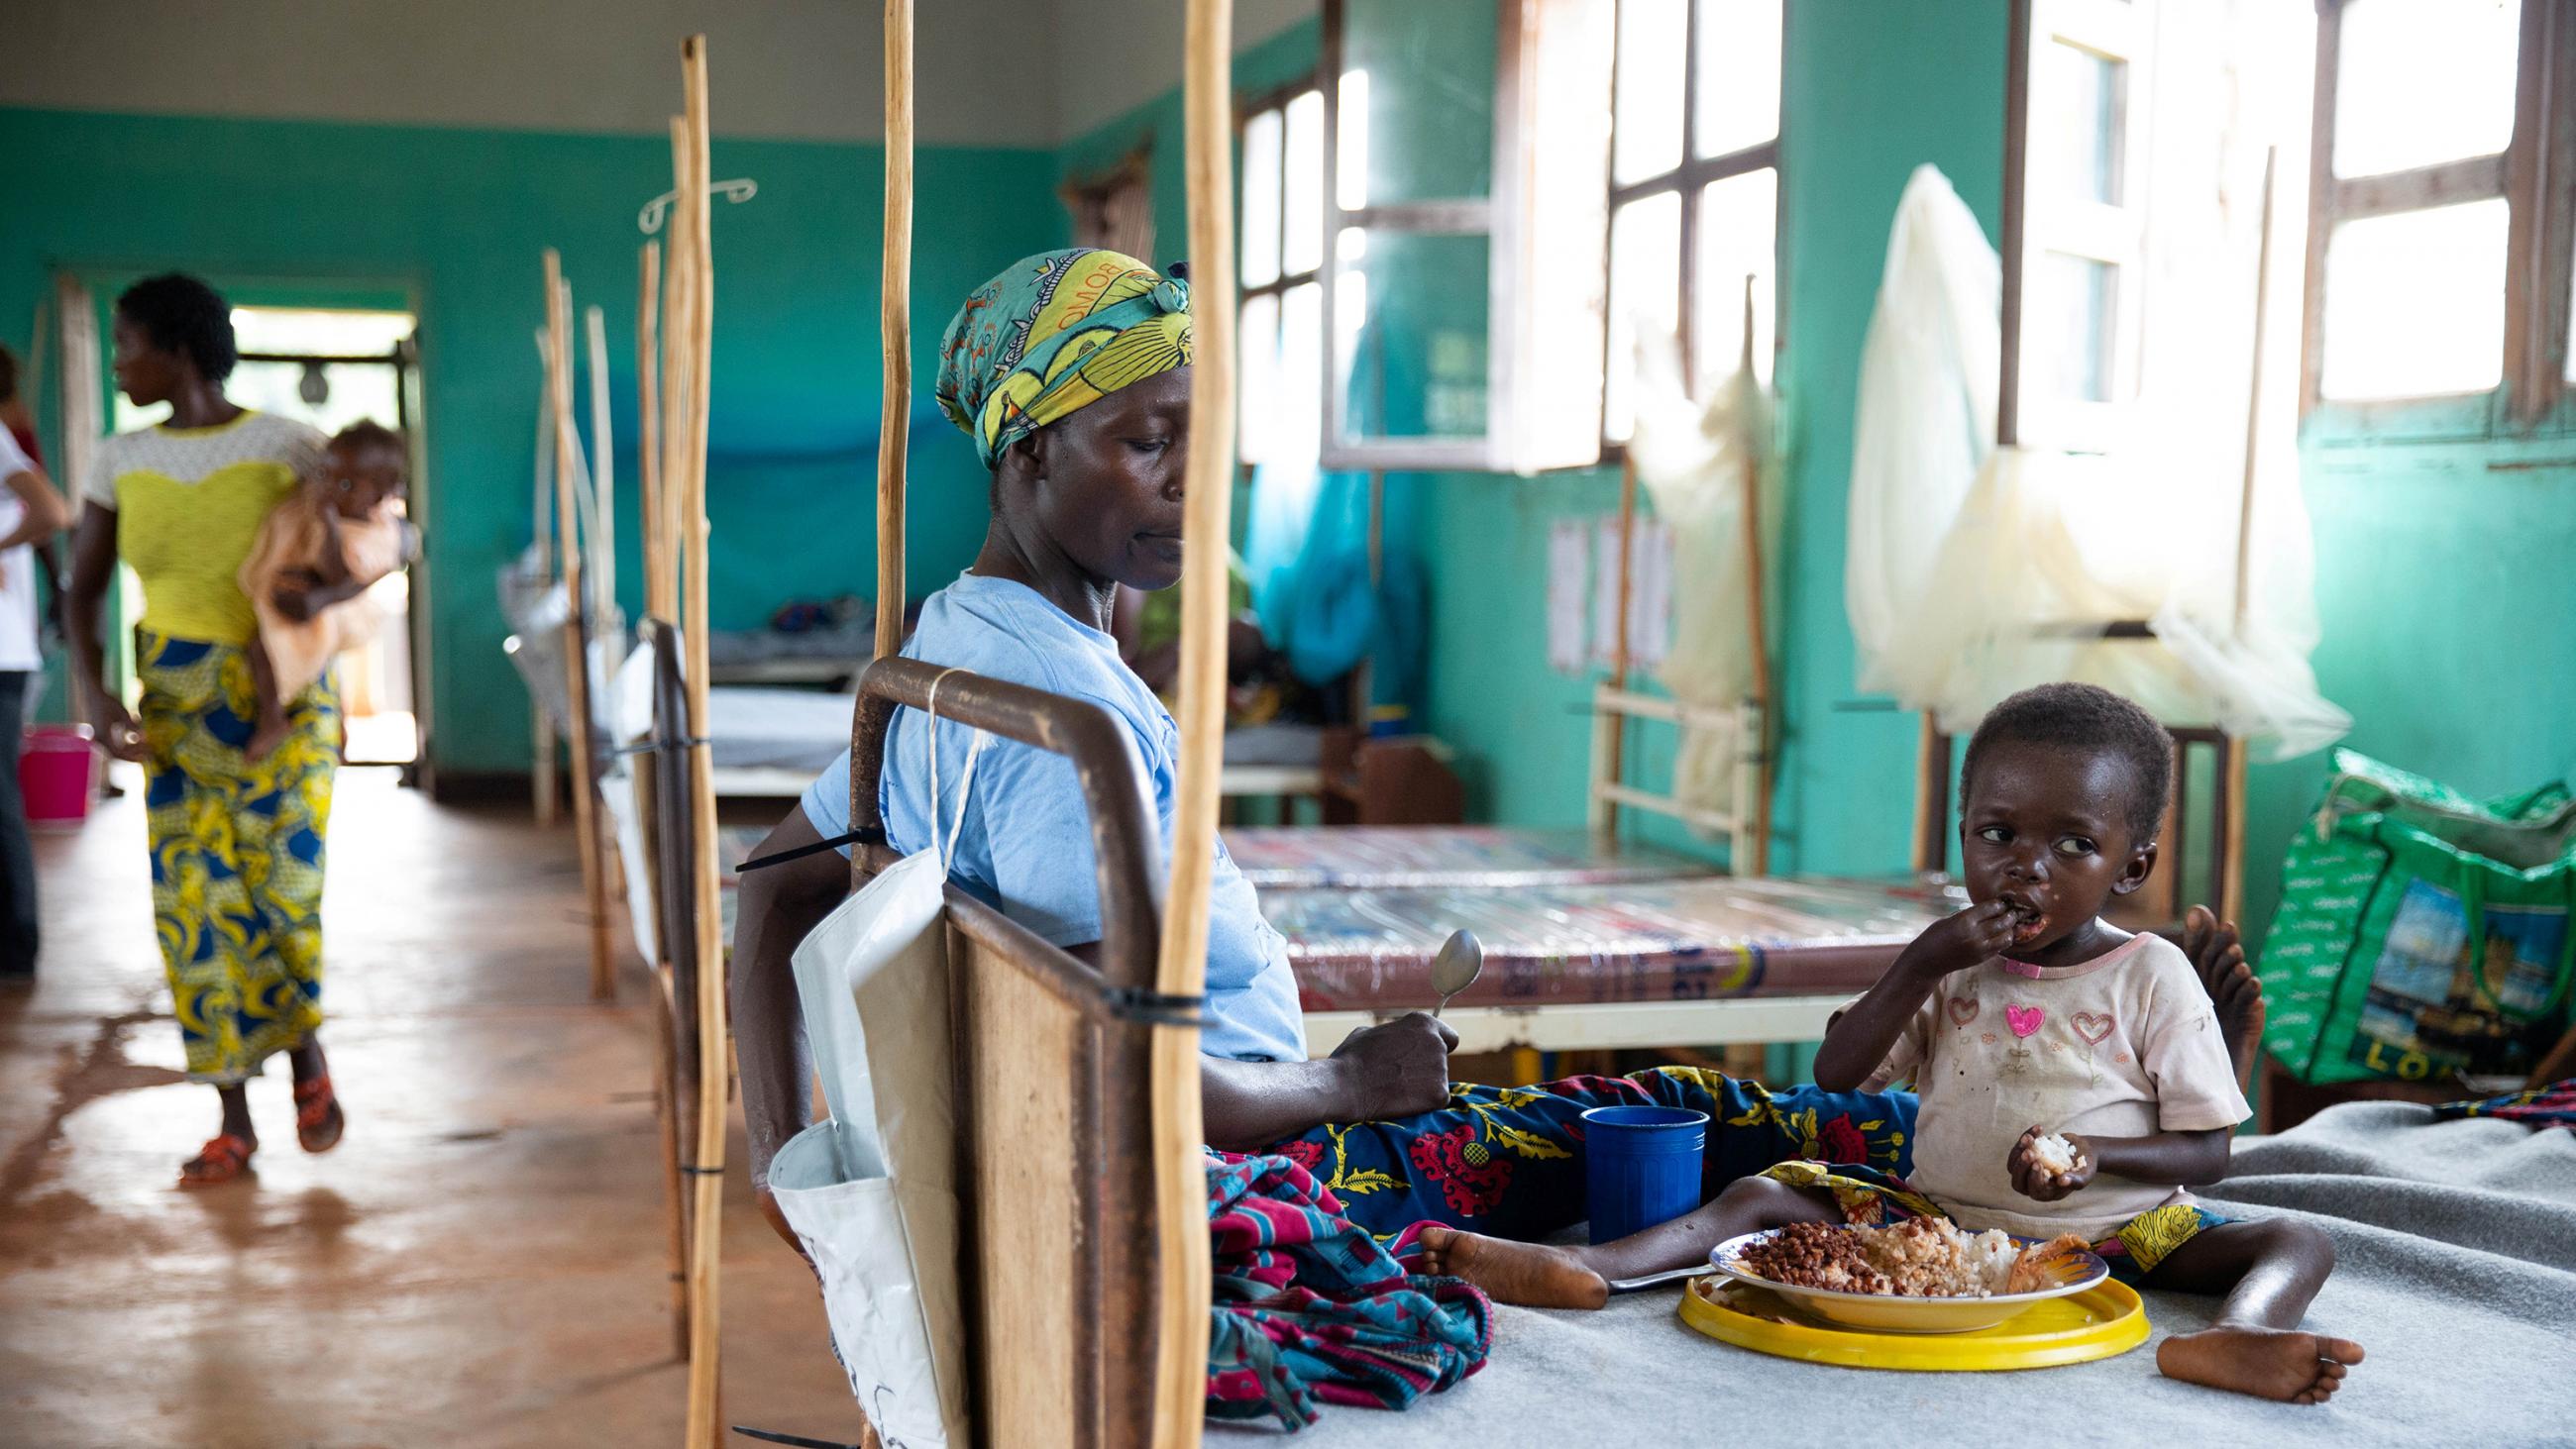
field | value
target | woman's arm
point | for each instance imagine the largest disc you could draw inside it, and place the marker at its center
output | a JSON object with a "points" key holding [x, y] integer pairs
{"points": [[93, 567], [1398, 1068], [777, 908], [44, 513]]}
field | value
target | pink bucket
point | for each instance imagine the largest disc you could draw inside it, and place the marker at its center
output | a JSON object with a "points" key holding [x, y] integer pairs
{"points": [[58, 775]]}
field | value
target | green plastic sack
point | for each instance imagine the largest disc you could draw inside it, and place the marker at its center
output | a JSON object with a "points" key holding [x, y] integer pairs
{"points": [[2367, 969]]}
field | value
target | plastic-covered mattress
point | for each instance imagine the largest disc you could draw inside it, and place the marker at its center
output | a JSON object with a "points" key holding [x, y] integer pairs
{"points": [[1684, 940], [802, 730], [1471, 857]]}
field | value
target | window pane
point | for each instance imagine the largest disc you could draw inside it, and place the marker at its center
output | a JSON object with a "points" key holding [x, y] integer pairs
{"points": [[1298, 428], [338, 334], [1409, 343], [2077, 154], [2415, 303], [1425, 130], [1261, 199], [1262, 380], [2421, 81], [1645, 290], [353, 390], [1303, 205], [1646, 139], [1738, 237], [1739, 74], [2068, 303]]}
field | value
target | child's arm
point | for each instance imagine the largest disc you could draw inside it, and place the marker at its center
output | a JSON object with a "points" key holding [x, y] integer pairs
{"points": [[2179, 1157], [1860, 1038]]}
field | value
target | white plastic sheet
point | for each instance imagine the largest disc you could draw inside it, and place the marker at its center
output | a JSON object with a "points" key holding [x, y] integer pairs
{"points": [[1691, 459]]}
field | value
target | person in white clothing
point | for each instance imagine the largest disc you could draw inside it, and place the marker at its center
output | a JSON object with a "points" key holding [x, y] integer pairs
{"points": [[2072, 1077], [31, 512]]}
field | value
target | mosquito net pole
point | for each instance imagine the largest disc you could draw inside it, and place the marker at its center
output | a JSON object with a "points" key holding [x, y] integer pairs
{"points": [[585, 816], [1180, 1177], [648, 421], [895, 316], [705, 1412]]}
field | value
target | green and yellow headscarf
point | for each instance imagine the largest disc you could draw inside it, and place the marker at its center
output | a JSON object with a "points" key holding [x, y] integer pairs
{"points": [[1054, 333]]}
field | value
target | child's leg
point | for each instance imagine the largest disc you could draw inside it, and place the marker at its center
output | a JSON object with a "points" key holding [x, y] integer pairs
{"points": [[271, 727], [2233, 989], [1540, 1276], [2270, 1270]]}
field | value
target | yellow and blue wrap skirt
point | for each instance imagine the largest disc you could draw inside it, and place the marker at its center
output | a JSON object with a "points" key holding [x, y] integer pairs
{"points": [[237, 847]]}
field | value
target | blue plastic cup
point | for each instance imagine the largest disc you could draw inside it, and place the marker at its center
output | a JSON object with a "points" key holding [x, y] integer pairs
{"points": [[1641, 1166]]}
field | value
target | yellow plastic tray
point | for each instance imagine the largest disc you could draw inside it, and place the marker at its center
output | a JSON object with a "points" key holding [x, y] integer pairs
{"points": [[2097, 1323]]}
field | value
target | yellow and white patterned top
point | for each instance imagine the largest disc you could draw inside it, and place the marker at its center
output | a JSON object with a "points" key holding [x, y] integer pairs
{"points": [[188, 505]]}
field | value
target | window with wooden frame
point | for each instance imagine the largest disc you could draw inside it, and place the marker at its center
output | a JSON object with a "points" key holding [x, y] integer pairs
{"points": [[1464, 231], [2081, 192], [1281, 271], [2442, 203], [1694, 189]]}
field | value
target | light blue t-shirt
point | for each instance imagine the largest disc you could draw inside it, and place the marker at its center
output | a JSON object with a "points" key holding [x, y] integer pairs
{"points": [[1026, 843]]}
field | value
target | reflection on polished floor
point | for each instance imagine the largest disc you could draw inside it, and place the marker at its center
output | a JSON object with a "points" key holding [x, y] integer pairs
{"points": [[480, 1262]]}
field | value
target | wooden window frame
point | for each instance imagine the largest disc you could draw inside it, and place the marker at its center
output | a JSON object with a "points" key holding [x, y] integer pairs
{"points": [[1686, 181], [2112, 233], [1278, 287], [1518, 436], [2536, 177]]}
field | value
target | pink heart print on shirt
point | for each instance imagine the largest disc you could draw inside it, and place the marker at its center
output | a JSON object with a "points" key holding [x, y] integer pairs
{"points": [[2024, 1019], [2094, 1027]]}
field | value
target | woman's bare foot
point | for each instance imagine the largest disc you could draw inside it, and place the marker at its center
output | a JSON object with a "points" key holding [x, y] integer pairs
{"points": [[2219, 956], [1530, 1274], [2269, 1363]]}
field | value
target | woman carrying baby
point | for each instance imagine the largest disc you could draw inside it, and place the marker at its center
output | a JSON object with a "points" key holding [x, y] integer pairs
{"points": [[2030, 1026]]}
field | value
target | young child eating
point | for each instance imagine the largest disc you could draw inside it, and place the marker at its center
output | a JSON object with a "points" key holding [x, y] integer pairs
{"points": [[2023, 1018], [318, 552]]}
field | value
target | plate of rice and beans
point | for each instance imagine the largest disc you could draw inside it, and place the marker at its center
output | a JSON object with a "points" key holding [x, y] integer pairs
{"points": [[1922, 1275]]}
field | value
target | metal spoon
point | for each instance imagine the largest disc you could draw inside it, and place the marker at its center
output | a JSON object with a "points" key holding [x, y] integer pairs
{"points": [[1460, 961]]}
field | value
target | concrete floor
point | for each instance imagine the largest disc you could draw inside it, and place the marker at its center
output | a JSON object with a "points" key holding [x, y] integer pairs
{"points": [[480, 1262]]}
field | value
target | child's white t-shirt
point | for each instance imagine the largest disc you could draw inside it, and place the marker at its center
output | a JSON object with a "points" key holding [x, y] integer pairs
{"points": [[2124, 1045]]}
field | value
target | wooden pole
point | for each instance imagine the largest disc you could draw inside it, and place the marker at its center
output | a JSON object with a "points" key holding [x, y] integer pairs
{"points": [[585, 813], [894, 432], [1757, 632], [1610, 731], [603, 468], [706, 1239], [541, 730], [1180, 1175], [648, 422], [679, 307], [2235, 758]]}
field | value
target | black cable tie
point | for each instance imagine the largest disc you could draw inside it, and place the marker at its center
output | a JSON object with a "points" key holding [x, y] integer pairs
{"points": [[703, 1171], [1154, 1008], [871, 835], [658, 747], [772, 1436]]}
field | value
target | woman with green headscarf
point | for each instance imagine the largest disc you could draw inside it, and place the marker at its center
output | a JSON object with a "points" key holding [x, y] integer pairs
{"points": [[1070, 372]]}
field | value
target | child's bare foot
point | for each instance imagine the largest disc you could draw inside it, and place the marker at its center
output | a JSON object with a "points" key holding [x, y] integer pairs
{"points": [[2269, 1363], [1530, 1274], [266, 737], [2219, 956]]}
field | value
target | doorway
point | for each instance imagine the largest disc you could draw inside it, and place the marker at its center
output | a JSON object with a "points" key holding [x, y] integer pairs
{"points": [[330, 368]]}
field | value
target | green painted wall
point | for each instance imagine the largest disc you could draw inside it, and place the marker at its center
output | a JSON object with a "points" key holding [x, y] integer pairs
{"points": [[456, 219]]}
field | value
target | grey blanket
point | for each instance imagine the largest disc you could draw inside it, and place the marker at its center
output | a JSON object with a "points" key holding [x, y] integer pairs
{"points": [[2457, 1273]]}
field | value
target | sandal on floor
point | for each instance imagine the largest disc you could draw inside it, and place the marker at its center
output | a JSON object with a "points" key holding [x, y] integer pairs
{"points": [[223, 1158], [318, 1118]]}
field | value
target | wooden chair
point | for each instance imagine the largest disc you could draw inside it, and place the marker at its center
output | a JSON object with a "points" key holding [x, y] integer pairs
{"points": [[1058, 1232]]}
